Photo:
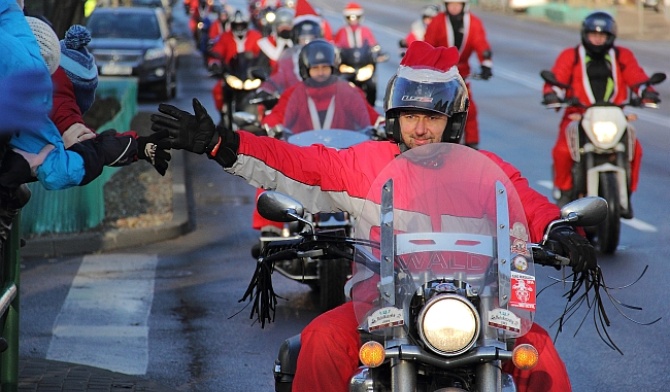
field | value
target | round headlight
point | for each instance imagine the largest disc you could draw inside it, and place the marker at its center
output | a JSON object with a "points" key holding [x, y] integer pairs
{"points": [[448, 324]]}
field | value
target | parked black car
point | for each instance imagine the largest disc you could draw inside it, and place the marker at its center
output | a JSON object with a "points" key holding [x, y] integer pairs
{"points": [[135, 41]]}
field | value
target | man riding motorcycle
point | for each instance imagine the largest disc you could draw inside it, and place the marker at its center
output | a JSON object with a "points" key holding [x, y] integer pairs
{"points": [[238, 40], [279, 39], [458, 27], [320, 101], [426, 102], [418, 27], [324, 100], [354, 34], [597, 71]]}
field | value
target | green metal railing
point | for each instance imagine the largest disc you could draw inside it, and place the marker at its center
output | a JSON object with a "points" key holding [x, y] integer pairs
{"points": [[53, 211], [9, 310]]}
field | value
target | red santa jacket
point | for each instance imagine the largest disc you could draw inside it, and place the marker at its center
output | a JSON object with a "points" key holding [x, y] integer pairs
{"points": [[440, 33], [65, 112], [228, 46], [570, 69], [337, 105], [354, 37], [343, 177]]}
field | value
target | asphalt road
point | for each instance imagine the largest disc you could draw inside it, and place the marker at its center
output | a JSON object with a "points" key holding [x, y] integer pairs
{"points": [[170, 311]]}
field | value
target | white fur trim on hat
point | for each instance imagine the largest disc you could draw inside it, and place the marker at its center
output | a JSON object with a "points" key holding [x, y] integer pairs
{"points": [[427, 75]]}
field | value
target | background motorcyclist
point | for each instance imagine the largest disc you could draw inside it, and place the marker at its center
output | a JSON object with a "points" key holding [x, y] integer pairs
{"points": [[597, 71], [354, 34], [279, 39], [417, 30], [320, 101], [240, 39], [459, 27], [329, 353], [306, 28]]}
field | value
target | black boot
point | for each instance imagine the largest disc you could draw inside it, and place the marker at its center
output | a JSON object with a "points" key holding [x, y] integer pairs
{"points": [[11, 202]]}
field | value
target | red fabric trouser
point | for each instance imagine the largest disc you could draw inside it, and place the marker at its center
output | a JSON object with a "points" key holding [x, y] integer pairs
{"points": [[329, 357], [563, 161]]}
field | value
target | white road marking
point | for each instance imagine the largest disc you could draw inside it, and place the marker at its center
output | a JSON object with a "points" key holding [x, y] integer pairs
{"points": [[635, 223], [104, 319]]}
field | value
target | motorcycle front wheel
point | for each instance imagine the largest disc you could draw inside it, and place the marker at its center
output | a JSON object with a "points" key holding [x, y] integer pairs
{"points": [[607, 233]]}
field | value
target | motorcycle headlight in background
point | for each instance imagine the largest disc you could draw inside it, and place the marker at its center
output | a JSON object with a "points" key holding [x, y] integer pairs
{"points": [[346, 69], [365, 73], [448, 324], [605, 131], [238, 84], [234, 82]]}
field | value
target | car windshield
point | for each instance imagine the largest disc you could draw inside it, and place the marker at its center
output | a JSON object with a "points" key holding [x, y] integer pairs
{"points": [[124, 25]]}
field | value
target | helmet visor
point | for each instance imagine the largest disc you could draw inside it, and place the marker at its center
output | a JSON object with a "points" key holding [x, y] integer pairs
{"points": [[444, 97]]}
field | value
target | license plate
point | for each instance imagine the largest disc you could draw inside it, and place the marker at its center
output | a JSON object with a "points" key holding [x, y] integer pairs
{"points": [[116, 69]]}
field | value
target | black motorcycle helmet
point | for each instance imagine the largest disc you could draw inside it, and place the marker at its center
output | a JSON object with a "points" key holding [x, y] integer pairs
{"points": [[305, 31], [239, 24], [316, 52], [601, 22], [427, 90]]}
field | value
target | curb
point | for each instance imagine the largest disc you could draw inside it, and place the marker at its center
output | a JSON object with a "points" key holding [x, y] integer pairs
{"points": [[84, 243]]}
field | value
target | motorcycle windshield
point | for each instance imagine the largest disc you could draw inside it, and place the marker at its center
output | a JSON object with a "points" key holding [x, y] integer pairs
{"points": [[335, 105], [335, 138], [442, 213]]}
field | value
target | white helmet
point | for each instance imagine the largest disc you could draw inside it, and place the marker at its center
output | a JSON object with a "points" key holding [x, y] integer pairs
{"points": [[48, 42]]}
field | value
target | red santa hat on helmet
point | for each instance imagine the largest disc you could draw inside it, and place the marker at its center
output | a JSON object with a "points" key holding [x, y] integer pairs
{"points": [[353, 9], [305, 11], [423, 61]]}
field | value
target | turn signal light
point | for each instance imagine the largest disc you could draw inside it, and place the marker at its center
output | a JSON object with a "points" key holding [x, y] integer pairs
{"points": [[525, 356], [371, 354]]}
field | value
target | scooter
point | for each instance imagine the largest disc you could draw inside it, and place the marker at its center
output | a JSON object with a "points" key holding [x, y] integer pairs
{"points": [[444, 273], [601, 143]]}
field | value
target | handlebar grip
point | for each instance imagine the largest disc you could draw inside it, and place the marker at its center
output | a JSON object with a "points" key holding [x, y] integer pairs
{"points": [[547, 257]]}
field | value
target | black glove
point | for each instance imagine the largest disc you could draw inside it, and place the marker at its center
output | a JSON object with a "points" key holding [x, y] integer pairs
{"points": [[486, 72], [195, 133], [574, 246], [115, 150], [551, 99], [650, 96], [14, 170], [149, 150]]}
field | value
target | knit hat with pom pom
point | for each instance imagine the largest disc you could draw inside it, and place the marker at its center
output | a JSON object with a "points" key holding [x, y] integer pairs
{"points": [[79, 65]]}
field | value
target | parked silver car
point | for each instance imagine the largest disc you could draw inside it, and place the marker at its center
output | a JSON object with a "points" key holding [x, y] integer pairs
{"points": [[135, 41]]}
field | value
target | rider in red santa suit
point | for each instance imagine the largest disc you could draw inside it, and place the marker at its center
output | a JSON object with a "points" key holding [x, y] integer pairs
{"points": [[274, 44], [338, 180], [354, 34], [418, 27], [596, 71], [458, 27], [239, 39], [321, 100]]}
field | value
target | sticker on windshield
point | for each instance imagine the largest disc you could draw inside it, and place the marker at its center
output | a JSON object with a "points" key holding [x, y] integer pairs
{"points": [[523, 291], [504, 319], [385, 318]]}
